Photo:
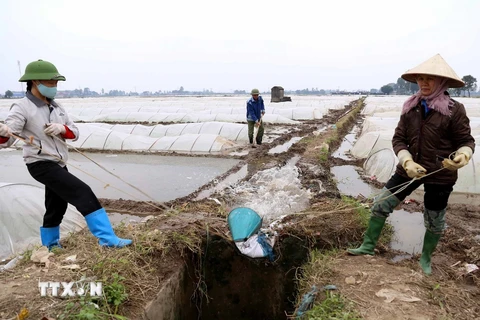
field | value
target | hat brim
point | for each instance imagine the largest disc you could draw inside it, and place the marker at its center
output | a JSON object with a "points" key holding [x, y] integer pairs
{"points": [[43, 76], [452, 83]]}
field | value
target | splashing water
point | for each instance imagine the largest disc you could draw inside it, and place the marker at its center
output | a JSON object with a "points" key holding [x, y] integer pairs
{"points": [[273, 192]]}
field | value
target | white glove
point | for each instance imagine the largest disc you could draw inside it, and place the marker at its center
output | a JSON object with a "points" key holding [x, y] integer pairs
{"points": [[461, 158], [54, 129], [413, 169], [4, 130]]}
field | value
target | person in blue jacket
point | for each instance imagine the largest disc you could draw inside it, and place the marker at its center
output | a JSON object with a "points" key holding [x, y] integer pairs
{"points": [[255, 112]]}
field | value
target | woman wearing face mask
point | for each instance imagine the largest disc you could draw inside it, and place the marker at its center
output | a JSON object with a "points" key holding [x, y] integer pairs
{"points": [[40, 118], [432, 127]]}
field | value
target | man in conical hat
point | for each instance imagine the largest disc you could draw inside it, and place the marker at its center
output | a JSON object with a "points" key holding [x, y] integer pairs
{"points": [[432, 141]]}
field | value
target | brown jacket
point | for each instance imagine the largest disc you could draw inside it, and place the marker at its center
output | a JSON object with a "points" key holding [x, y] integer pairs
{"points": [[432, 139]]}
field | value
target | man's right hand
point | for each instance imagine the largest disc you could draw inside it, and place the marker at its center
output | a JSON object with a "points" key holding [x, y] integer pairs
{"points": [[257, 124], [4, 130], [413, 169]]}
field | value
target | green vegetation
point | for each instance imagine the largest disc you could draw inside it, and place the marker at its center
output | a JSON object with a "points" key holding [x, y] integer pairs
{"points": [[330, 305], [335, 306]]}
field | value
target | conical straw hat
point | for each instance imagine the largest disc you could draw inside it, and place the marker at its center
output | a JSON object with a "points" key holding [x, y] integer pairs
{"points": [[435, 66]]}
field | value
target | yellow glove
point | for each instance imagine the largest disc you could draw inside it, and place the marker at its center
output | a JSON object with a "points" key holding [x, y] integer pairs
{"points": [[460, 159], [413, 169]]}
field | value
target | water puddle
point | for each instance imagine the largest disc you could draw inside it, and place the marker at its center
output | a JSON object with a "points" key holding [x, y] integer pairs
{"points": [[401, 257], [408, 227], [278, 131], [238, 153], [119, 218], [408, 231], [349, 182], [273, 192], [228, 181], [163, 178], [284, 147], [347, 145]]}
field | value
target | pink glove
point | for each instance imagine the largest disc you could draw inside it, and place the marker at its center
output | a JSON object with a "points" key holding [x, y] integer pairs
{"points": [[54, 129], [4, 130]]}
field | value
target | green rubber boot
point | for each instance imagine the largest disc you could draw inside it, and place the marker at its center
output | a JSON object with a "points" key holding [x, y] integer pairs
{"points": [[375, 226], [430, 242], [384, 204]]}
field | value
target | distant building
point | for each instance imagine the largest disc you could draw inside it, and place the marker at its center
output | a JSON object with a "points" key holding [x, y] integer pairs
{"points": [[278, 95], [18, 94]]}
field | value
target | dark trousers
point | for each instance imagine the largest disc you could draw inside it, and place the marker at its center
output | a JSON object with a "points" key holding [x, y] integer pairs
{"points": [[251, 127], [62, 188], [435, 197]]}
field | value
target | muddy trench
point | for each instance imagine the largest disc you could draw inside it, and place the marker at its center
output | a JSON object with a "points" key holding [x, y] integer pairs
{"points": [[221, 283]]}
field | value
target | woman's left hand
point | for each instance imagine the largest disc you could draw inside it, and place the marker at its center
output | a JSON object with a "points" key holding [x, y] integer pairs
{"points": [[460, 160], [54, 129]]}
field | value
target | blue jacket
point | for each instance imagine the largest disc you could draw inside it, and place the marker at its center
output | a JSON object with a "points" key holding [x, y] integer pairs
{"points": [[255, 109]]}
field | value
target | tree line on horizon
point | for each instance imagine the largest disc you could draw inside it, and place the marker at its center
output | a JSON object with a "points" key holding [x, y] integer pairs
{"points": [[405, 87], [401, 87]]}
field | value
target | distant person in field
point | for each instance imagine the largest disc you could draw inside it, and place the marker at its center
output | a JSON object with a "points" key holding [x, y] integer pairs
{"points": [[432, 141], [46, 125], [255, 112]]}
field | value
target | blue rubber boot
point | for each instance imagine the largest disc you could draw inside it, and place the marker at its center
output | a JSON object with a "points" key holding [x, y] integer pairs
{"points": [[100, 227], [50, 237]]}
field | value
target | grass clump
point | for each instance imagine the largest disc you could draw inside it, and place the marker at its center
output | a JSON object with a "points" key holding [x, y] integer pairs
{"points": [[363, 215], [128, 274], [334, 306], [327, 305], [363, 210]]}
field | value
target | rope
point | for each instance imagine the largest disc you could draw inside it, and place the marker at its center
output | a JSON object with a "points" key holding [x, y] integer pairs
{"points": [[102, 167], [404, 185], [30, 142]]}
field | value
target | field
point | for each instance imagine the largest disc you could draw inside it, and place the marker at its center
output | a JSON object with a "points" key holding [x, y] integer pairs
{"points": [[183, 264]]}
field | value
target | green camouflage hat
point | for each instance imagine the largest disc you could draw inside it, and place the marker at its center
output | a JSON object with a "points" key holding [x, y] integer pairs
{"points": [[41, 70], [255, 91]]}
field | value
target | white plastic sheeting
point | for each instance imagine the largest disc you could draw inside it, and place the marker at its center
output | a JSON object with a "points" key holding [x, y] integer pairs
{"points": [[22, 209], [93, 137], [381, 164], [380, 122], [299, 113], [372, 142], [151, 117], [383, 104], [300, 108], [95, 111], [371, 124], [205, 103], [230, 131], [392, 105]]}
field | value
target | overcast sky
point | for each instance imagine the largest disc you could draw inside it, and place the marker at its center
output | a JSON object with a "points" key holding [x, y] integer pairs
{"points": [[227, 45]]}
